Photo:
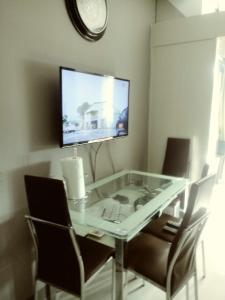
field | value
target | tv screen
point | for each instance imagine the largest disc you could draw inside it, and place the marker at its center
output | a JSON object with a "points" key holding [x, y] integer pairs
{"points": [[94, 107]]}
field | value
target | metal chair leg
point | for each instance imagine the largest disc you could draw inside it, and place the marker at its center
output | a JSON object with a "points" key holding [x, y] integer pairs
{"points": [[187, 291], [168, 296], [203, 259], [196, 282], [125, 284], [113, 294], [48, 291], [35, 290]]}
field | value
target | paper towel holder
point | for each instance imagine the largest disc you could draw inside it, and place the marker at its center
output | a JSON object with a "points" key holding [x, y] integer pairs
{"points": [[73, 174]]}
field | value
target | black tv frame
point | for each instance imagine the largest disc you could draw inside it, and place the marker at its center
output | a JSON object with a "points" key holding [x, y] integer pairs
{"points": [[61, 144]]}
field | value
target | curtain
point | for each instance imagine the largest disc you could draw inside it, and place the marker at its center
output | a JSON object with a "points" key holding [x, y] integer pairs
{"points": [[221, 117]]}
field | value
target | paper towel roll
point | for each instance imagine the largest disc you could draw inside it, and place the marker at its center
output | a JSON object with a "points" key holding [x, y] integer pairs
{"points": [[73, 173]]}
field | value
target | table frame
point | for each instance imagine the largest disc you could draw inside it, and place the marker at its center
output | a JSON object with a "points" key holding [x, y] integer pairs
{"points": [[119, 241]]}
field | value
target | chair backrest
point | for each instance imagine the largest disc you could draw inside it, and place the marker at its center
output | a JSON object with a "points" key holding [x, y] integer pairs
{"points": [[205, 170], [198, 202], [183, 262], [199, 197], [202, 192], [176, 161], [58, 256], [47, 199]]}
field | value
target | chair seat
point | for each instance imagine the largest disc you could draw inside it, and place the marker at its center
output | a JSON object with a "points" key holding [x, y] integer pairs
{"points": [[156, 227], [94, 255], [169, 260], [147, 255]]}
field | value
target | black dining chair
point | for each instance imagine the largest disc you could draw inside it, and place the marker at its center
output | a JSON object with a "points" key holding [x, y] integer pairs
{"points": [[176, 160], [167, 265], [166, 226], [64, 260], [176, 163], [205, 170]]}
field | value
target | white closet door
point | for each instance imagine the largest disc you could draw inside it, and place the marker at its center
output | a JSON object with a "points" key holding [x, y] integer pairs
{"points": [[180, 101]]}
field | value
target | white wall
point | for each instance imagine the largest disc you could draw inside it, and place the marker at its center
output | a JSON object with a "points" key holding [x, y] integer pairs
{"points": [[181, 99], [166, 11], [188, 8], [183, 56], [36, 38]]}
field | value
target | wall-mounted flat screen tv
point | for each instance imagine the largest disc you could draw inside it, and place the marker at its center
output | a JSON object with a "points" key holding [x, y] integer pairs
{"points": [[94, 107]]}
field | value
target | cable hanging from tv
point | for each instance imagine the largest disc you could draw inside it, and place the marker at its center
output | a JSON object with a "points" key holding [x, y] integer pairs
{"points": [[93, 162]]}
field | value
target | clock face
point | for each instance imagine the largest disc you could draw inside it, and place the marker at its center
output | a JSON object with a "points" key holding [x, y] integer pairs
{"points": [[93, 13], [89, 17]]}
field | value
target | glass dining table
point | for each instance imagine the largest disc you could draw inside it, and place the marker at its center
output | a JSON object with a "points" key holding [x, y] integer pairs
{"points": [[120, 205]]}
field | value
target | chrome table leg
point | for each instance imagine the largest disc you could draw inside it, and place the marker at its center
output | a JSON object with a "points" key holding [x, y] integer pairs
{"points": [[119, 290]]}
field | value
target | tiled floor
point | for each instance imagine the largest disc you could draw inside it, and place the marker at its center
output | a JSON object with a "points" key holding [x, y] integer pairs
{"points": [[210, 288]]}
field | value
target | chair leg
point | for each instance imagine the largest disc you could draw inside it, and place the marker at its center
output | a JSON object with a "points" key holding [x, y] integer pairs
{"points": [[113, 292], [48, 291], [187, 291], [34, 280], [35, 290], [125, 284], [203, 259], [82, 297], [196, 282], [168, 296]]}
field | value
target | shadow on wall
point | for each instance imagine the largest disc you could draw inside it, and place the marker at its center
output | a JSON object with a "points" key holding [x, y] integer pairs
{"points": [[16, 251], [15, 258], [41, 88]]}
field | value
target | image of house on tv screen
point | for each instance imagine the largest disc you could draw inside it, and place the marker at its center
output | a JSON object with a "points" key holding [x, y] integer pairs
{"points": [[95, 122], [92, 114]]}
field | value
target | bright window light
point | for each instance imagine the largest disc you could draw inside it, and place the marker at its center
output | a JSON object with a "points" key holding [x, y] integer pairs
{"points": [[222, 5], [210, 6]]}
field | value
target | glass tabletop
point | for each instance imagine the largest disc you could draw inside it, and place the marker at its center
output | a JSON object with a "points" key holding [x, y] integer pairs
{"points": [[121, 204]]}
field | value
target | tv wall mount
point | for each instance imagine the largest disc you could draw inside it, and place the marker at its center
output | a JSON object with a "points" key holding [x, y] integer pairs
{"points": [[89, 17]]}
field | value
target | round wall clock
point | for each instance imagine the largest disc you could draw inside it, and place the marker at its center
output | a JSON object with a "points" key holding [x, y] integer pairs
{"points": [[89, 17]]}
